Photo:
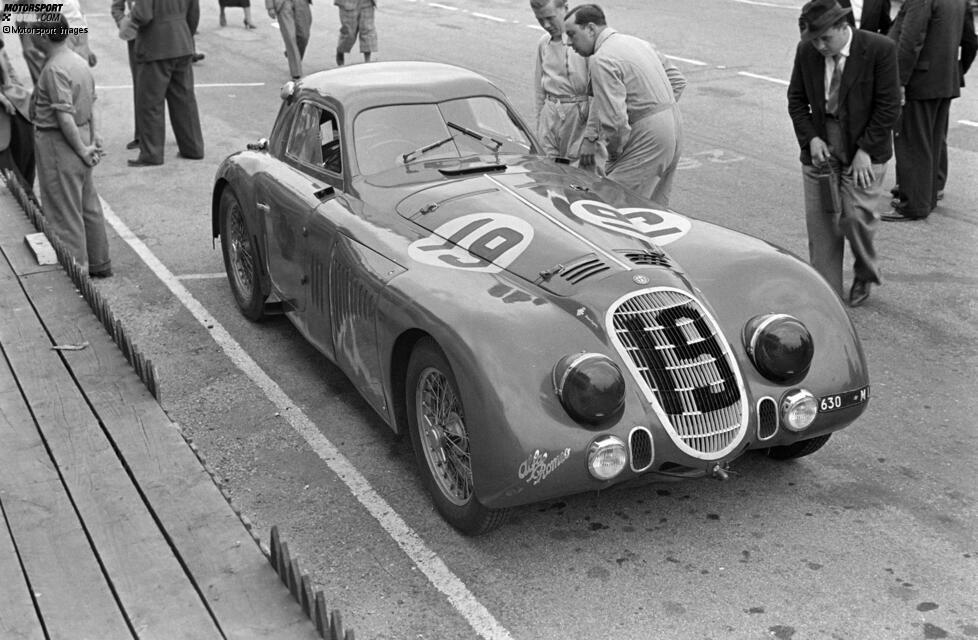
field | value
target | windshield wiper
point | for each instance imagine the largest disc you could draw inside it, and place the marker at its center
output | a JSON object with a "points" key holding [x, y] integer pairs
{"points": [[407, 157], [484, 139]]}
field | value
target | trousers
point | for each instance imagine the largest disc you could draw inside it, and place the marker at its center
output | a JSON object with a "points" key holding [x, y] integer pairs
{"points": [[357, 23], [649, 159], [560, 128], [71, 204], [169, 81], [917, 144], [294, 21]]}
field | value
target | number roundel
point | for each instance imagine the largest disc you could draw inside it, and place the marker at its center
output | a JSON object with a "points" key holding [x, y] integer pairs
{"points": [[483, 242], [656, 225]]}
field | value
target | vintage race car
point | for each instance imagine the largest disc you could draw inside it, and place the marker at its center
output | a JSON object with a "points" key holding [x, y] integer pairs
{"points": [[538, 330]]}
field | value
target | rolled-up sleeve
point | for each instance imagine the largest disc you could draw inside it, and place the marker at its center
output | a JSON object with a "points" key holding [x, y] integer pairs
{"points": [[608, 85]]}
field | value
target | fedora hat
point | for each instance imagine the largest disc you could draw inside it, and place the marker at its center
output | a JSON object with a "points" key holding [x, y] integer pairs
{"points": [[817, 16]]}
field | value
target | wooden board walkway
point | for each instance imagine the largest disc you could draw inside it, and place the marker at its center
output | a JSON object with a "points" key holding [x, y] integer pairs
{"points": [[109, 525]]}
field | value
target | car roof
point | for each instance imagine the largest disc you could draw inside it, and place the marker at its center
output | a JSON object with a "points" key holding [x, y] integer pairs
{"points": [[362, 86]]}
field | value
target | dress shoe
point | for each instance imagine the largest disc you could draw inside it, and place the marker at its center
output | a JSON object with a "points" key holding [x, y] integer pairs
{"points": [[180, 154], [859, 293], [132, 144], [102, 273], [896, 215], [139, 162]]}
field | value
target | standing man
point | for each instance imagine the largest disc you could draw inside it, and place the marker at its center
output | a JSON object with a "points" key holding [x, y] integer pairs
{"points": [[121, 11], [164, 47], [634, 109], [843, 99], [294, 21], [871, 15], [969, 47], [68, 145], [927, 35], [560, 83], [356, 21]]}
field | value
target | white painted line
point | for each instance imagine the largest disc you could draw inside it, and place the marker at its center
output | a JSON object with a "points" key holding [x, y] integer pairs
{"points": [[535, 26], [698, 63], [209, 85], [201, 276], [488, 17], [760, 77], [410, 542], [969, 123], [767, 4], [442, 6]]}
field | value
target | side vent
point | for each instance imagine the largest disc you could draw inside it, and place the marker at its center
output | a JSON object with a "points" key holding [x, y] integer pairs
{"points": [[583, 268], [767, 418], [647, 258], [640, 446]]}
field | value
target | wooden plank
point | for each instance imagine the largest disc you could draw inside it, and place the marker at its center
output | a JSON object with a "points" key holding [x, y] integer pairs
{"points": [[157, 596], [16, 226], [244, 593], [40, 248], [72, 594], [18, 618]]}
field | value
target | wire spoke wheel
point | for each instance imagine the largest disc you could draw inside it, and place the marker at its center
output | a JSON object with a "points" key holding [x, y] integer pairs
{"points": [[446, 441], [240, 257]]}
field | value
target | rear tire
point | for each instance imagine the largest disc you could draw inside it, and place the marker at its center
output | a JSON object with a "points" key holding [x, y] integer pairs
{"points": [[440, 439], [240, 258], [798, 449]]}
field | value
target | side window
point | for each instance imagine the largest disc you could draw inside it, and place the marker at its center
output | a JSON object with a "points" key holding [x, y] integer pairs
{"points": [[315, 139]]}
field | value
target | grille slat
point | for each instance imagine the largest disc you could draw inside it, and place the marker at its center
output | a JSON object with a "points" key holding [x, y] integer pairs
{"points": [[679, 356]]}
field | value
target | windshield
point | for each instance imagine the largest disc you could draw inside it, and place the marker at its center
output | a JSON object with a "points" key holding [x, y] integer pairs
{"points": [[391, 136]]}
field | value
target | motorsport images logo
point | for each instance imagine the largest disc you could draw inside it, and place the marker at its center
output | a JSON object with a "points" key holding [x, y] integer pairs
{"points": [[35, 19]]}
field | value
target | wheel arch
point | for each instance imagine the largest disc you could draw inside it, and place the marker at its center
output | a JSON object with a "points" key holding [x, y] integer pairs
{"points": [[399, 358]]}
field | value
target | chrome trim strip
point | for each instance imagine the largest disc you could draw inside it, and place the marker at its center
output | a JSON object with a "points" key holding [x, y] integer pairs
{"points": [[562, 225]]}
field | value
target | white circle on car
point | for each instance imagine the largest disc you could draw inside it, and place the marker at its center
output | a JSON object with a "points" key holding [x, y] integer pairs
{"points": [[485, 242], [656, 225]]}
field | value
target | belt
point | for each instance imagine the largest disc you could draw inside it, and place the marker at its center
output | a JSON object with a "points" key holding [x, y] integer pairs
{"points": [[57, 128], [635, 116], [562, 99]]}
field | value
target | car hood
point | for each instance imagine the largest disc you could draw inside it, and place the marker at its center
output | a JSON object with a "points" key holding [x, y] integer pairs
{"points": [[542, 227]]}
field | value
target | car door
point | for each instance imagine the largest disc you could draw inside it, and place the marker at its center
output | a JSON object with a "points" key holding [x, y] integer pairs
{"points": [[287, 198]]}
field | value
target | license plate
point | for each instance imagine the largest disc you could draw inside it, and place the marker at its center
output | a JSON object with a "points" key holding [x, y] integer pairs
{"points": [[843, 400]]}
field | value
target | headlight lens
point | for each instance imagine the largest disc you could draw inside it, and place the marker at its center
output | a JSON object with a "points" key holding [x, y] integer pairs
{"points": [[606, 457], [780, 346], [590, 386], [798, 409]]}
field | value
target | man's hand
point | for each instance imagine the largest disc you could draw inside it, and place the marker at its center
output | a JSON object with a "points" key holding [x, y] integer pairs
{"points": [[8, 106], [91, 156], [272, 14], [588, 150], [862, 170], [819, 150]]}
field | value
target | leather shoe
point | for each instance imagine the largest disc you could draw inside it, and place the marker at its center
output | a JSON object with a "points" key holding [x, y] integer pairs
{"points": [[139, 162], [132, 144], [103, 273], [895, 215], [859, 293], [186, 157]]}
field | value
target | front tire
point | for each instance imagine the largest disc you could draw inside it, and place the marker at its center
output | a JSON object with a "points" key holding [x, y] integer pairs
{"points": [[240, 258], [440, 438], [798, 449]]}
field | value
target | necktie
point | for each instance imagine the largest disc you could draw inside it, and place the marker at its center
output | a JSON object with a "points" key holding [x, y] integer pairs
{"points": [[832, 104]]}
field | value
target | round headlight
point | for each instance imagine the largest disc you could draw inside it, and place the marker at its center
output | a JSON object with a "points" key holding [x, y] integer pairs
{"points": [[798, 409], [590, 386], [606, 457], [780, 346]]}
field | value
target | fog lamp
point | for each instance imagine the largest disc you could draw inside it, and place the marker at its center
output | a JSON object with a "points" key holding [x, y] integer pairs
{"points": [[590, 386], [606, 457], [798, 409]]}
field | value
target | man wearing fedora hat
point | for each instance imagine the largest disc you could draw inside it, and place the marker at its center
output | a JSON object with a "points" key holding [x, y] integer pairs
{"points": [[843, 99]]}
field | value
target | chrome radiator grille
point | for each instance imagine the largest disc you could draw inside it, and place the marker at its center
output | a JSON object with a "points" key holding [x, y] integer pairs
{"points": [[684, 365]]}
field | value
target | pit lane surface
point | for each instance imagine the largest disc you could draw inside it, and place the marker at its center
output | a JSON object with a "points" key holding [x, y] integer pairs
{"points": [[872, 537]]}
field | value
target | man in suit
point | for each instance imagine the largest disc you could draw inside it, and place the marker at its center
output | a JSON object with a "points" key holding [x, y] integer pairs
{"points": [[843, 99], [928, 35], [164, 47], [294, 19], [969, 47], [871, 15]]}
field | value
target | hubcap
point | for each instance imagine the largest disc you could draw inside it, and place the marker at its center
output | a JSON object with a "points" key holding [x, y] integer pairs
{"points": [[239, 253], [445, 440]]}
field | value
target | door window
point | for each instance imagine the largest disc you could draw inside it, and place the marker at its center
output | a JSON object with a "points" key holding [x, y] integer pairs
{"points": [[315, 139]]}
